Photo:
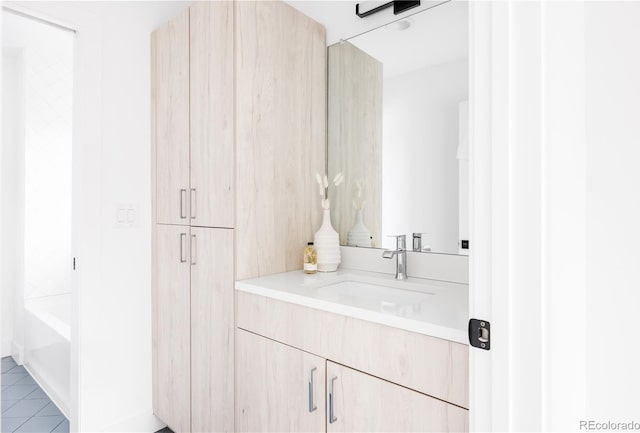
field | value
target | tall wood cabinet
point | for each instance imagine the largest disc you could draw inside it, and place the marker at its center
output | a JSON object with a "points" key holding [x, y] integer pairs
{"points": [[238, 133], [192, 69]]}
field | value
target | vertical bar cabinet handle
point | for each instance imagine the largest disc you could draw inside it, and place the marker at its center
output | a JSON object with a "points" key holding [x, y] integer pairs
{"points": [[183, 208], [332, 418], [183, 239], [312, 407]]}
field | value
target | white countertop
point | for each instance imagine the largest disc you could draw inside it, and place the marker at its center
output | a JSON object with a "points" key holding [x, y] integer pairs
{"points": [[430, 307]]}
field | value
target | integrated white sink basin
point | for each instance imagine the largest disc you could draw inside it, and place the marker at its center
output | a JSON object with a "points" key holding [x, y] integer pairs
{"points": [[374, 297], [429, 307]]}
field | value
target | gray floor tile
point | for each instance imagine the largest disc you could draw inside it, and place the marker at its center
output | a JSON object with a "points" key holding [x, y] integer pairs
{"points": [[40, 424], [10, 424], [6, 367], [63, 427], [24, 405], [6, 404], [17, 369], [27, 380], [17, 392], [13, 378], [38, 393], [26, 408], [8, 362], [49, 410]]}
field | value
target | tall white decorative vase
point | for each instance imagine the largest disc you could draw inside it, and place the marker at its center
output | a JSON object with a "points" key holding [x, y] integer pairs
{"points": [[327, 243], [359, 235]]}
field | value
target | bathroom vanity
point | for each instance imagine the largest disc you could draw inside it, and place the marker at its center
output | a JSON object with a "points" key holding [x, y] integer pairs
{"points": [[351, 351], [242, 339]]}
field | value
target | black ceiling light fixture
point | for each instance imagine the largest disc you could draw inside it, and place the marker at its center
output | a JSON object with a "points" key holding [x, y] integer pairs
{"points": [[398, 7]]}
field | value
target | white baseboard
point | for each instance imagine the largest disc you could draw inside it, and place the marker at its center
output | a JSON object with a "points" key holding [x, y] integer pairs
{"points": [[17, 351], [48, 389], [143, 423]]}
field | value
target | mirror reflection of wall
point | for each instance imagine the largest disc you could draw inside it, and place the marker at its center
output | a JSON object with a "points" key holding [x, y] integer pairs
{"points": [[398, 132]]}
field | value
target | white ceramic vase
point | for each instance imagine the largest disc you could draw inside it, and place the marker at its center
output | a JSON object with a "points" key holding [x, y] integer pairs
{"points": [[327, 245], [359, 235]]}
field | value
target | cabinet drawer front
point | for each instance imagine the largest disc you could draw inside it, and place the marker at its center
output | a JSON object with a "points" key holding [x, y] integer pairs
{"points": [[359, 402], [426, 364], [279, 388]]}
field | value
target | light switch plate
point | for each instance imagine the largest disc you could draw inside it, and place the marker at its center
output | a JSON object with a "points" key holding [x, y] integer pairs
{"points": [[126, 215]]}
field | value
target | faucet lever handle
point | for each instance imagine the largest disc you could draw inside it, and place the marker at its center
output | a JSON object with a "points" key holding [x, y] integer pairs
{"points": [[417, 241]]}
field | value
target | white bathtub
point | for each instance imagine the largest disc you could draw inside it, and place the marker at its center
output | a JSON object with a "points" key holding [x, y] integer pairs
{"points": [[47, 345]]}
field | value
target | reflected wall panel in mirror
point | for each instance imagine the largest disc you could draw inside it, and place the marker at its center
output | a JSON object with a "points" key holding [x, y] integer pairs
{"points": [[355, 140], [398, 132]]}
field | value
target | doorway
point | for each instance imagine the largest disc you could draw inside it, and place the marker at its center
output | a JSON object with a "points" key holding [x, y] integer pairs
{"points": [[36, 188]]}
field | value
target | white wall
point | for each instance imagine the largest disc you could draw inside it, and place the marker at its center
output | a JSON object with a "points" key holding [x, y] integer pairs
{"points": [[419, 164], [12, 199], [612, 209], [111, 344], [125, 295]]}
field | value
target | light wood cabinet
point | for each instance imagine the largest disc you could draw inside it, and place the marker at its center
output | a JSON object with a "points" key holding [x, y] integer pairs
{"points": [[257, 68], [276, 382], [194, 126], [279, 388], [212, 329], [171, 327], [170, 63], [193, 328], [211, 193], [429, 365], [358, 402], [281, 130]]}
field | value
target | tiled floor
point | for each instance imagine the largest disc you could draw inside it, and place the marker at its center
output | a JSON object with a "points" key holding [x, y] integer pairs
{"points": [[25, 407]]}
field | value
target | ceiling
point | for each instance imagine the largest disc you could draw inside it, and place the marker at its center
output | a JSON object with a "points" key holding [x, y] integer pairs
{"points": [[436, 36], [340, 20]]}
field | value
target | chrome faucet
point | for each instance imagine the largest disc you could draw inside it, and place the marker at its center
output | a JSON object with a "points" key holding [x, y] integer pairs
{"points": [[401, 256], [417, 242]]}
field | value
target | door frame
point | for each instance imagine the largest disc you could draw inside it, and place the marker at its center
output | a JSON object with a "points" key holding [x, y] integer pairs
{"points": [[86, 212], [527, 214], [488, 174]]}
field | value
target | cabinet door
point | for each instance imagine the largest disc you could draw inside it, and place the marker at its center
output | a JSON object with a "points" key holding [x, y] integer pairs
{"points": [[212, 294], [279, 388], [359, 402], [171, 333], [212, 129], [171, 89]]}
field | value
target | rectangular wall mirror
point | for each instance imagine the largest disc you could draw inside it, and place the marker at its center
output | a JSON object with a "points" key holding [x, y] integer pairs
{"points": [[398, 132]]}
